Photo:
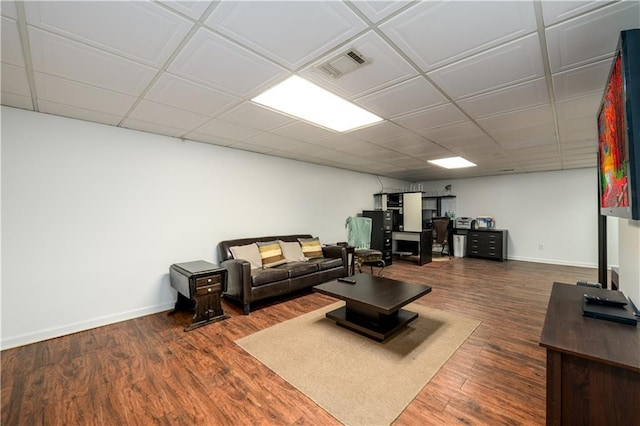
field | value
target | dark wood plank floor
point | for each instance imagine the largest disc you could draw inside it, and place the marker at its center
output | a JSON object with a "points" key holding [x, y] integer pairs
{"points": [[148, 370]]}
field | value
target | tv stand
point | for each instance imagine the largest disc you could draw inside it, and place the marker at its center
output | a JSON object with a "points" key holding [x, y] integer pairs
{"points": [[593, 366]]}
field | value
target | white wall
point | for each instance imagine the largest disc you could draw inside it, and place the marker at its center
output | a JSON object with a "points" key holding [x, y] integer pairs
{"points": [[93, 216], [629, 252], [557, 210]]}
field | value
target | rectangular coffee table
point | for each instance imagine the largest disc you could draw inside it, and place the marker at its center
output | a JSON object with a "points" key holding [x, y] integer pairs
{"points": [[373, 304]]}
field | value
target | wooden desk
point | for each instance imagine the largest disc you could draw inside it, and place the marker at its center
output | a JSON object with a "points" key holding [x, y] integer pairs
{"points": [[593, 365], [424, 240]]}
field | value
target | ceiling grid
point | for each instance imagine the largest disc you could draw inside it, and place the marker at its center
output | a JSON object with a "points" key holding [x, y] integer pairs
{"points": [[512, 86]]}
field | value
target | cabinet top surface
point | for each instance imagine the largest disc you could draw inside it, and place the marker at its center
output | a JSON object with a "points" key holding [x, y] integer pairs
{"points": [[566, 330], [196, 267]]}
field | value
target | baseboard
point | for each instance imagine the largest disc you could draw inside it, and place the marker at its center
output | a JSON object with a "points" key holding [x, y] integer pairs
{"points": [[25, 339], [554, 261]]}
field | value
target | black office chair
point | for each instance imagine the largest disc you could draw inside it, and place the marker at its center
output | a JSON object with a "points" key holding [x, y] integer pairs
{"points": [[441, 226]]}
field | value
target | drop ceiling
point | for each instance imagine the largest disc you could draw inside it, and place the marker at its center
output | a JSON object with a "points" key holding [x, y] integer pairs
{"points": [[513, 86]]}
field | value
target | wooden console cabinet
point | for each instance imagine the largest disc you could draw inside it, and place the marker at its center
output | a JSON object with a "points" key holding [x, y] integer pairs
{"points": [[487, 244], [593, 365], [200, 285]]}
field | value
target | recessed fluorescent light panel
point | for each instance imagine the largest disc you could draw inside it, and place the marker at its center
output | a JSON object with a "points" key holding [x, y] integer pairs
{"points": [[452, 163], [296, 96]]}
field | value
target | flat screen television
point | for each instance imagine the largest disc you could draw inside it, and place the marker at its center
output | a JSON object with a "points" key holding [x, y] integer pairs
{"points": [[619, 132]]}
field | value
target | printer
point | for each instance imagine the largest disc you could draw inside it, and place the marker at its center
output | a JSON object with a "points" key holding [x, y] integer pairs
{"points": [[465, 223]]}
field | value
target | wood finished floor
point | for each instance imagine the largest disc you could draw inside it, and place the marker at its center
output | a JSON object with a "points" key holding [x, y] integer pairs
{"points": [[149, 371]]}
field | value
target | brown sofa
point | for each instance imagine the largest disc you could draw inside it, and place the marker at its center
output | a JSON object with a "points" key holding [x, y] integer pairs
{"points": [[246, 285]]}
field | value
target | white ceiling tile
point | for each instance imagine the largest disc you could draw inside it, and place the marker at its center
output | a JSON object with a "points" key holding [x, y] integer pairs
{"points": [[14, 80], [335, 141], [303, 149], [591, 37], [157, 128], [78, 113], [255, 116], [251, 148], [525, 137], [420, 150], [376, 10], [443, 115], [407, 140], [58, 56], [584, 146], [554, 11], [193, 9], [361, 148], [584, 106], [304, 29], [532, 116], [80, 95], [409, 96], [302, 131], [467, 141], [234, 70], [578, 129], [8, 8], [11, 47], [582, 80], [141, 31], [270, 140], [378, 131], [190, 96], [459, 130], [387, 68], [226, 130], [17, 101], [213, 140], [153, 112], [506, 65], [524, 95], [436, 33]]}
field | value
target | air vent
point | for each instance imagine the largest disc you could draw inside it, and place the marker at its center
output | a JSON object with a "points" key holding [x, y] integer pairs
{"points": [[343, 63]]}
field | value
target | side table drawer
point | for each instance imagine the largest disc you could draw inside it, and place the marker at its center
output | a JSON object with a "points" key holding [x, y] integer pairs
{"points": [[202, 291], [205, 281]]}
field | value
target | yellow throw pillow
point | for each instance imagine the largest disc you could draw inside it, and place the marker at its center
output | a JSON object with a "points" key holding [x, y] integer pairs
{"points": [[311, 247], [271, 254]]}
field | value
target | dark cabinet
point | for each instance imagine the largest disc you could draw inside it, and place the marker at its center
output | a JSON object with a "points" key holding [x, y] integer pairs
{"points": [[487, 244], [381, 227]]}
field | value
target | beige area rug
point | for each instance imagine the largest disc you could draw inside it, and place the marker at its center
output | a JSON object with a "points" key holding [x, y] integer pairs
{"points": [[358, 380]]}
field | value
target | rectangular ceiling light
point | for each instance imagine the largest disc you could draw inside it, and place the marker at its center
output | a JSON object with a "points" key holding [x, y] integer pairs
{"points": [[300, 98], [452, 163]]}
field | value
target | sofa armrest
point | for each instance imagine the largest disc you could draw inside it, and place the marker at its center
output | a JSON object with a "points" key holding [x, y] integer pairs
{"points": [[337, 252], [238, 278]]}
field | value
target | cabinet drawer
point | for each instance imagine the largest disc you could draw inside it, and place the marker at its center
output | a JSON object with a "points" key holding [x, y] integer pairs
{"points": [[210, 289], [206, 281]]}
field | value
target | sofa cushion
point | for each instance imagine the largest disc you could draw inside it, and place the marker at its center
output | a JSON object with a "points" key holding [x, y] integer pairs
{"points": [[266, 276], [327, 263], [292, 251], [297, 269], [250, 253], [311, 247], [271, 254]]}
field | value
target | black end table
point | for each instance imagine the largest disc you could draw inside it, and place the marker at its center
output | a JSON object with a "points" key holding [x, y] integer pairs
{"points": [[200, 285]]}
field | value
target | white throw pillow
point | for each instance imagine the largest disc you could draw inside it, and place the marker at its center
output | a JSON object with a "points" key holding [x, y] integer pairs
{"points": [[292, 251], [250, 253]]}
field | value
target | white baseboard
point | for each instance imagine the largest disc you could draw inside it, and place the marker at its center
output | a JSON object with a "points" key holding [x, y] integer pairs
{"points": [[25, 339], [555, 261]]}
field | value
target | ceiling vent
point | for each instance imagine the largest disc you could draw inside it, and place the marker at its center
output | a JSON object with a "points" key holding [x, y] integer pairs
{"points": [[343, 63]]}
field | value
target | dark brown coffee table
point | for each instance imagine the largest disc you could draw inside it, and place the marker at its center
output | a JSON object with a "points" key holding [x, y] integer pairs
{"points": [[373, 304]]}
